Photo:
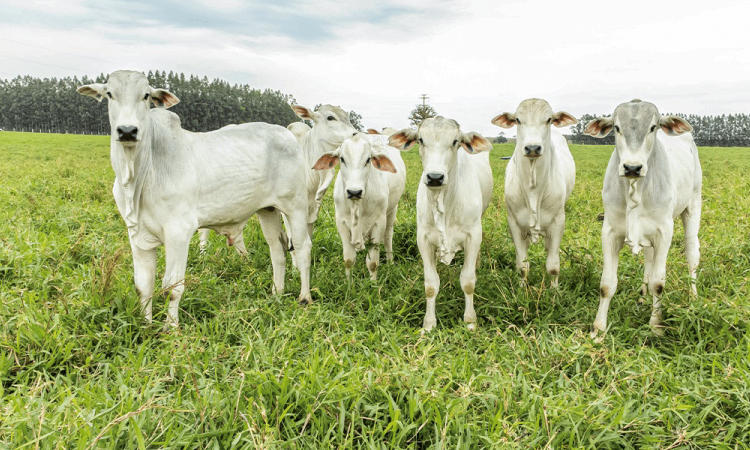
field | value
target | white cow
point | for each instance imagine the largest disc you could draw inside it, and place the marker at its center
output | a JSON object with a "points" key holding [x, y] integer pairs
{"points": [[169, 182], [454, 191], [331, 126], [366, 194], [653, 177], [538, 181]]}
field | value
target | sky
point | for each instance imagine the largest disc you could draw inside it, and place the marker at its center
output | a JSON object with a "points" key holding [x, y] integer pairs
{"points": [[473, 59]]}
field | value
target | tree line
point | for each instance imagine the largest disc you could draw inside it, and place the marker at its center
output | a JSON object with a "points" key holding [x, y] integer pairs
{"points": [[732, 130], [52, 105]]}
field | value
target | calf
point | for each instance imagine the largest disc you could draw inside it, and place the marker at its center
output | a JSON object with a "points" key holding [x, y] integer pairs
{"points": [[538, 181], [454, 191], [653, 177], [366, 194], [169, 182]]}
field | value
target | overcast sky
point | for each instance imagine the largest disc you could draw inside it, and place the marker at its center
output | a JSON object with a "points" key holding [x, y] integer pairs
{"points": [[474, 59]]}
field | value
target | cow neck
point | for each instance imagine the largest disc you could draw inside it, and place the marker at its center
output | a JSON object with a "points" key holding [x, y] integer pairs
{"points": [[131, 166], [374, 187], [634, 205], [537, 171], [315, 147], [437, 200]]}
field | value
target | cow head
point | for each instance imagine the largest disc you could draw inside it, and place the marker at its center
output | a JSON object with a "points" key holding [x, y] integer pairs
{"points": [[533, 117], [130, 97], [330, 123], [357, 157], [439, 140], [635, 125]]}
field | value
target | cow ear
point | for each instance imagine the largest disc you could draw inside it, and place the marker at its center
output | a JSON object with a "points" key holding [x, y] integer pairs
{"points": [[382, 162], [505, 120], [372, 131], [563, 119], [600, 127], [475, 143], [97, 90], [403, 140], [673, 125], [162, 98], [327, 161], [303, 113]]}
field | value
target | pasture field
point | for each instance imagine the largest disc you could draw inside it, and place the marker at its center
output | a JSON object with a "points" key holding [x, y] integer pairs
{"points": [[250, 370]]}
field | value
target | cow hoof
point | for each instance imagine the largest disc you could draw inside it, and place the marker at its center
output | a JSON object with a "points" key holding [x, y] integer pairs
{"points": [[658, 330], [641, 301], [305, 300], [471, 326]]}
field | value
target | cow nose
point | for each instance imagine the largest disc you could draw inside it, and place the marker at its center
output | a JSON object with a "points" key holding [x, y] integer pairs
{"points": [[632, 171], [435, 179], [533, 150], [354, 194], [127, 134]]}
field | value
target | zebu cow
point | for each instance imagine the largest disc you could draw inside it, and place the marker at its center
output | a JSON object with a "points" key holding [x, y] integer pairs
{"points": [[169, 182], [538, 181], [331, 126], [454, 191], [366, 194], [653, 177]]}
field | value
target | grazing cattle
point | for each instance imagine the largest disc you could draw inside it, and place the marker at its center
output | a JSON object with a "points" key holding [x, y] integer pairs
{"points": [[653, 176], [454, 191], [331, 126], [169, 182], [366, 194], [538, 181]]}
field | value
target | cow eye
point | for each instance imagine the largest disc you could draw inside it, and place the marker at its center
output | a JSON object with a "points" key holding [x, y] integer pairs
{"points": [[455, 142], [109, 94], [145, 97], [331, 118], [420, 141], [653, 128], [342, 161], [549, 120], [617, 128], [368, 161], [518, 121]]}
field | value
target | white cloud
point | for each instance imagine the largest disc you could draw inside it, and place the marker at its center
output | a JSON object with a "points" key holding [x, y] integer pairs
{"points": [[474, 59]]}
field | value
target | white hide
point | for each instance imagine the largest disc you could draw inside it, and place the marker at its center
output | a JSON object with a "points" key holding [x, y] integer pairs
{"points": [[449, 217], [640, 211], [538, 186], [298, 129], [169, 182]]}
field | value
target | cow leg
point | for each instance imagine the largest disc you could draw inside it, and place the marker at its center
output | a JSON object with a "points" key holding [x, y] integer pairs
{"points": [[144, 275], [177, 243], [239, 242], [691, 220], [373, 259], [350, 254], [472, 245], [388, 241], [270, 224], [203, 239], [612, 243], [302, 247], [522, 247], [552, 243], [431, 279], [658, 275], [648, 264], [289, 243]]}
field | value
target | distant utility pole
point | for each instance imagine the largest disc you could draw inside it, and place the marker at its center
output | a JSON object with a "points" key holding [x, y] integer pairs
{"points": [[424, 98]]}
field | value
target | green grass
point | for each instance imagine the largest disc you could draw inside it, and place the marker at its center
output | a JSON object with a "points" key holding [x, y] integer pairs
{"points": [[249, 370]]}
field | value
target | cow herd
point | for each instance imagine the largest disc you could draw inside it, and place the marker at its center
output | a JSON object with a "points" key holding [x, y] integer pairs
{"points": [[170, 182]]}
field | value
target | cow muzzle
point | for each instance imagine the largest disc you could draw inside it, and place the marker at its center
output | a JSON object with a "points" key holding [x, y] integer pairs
{"points": [[354, 194], [127, 134], [434, 179], [532, 151], [632, 170]]}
